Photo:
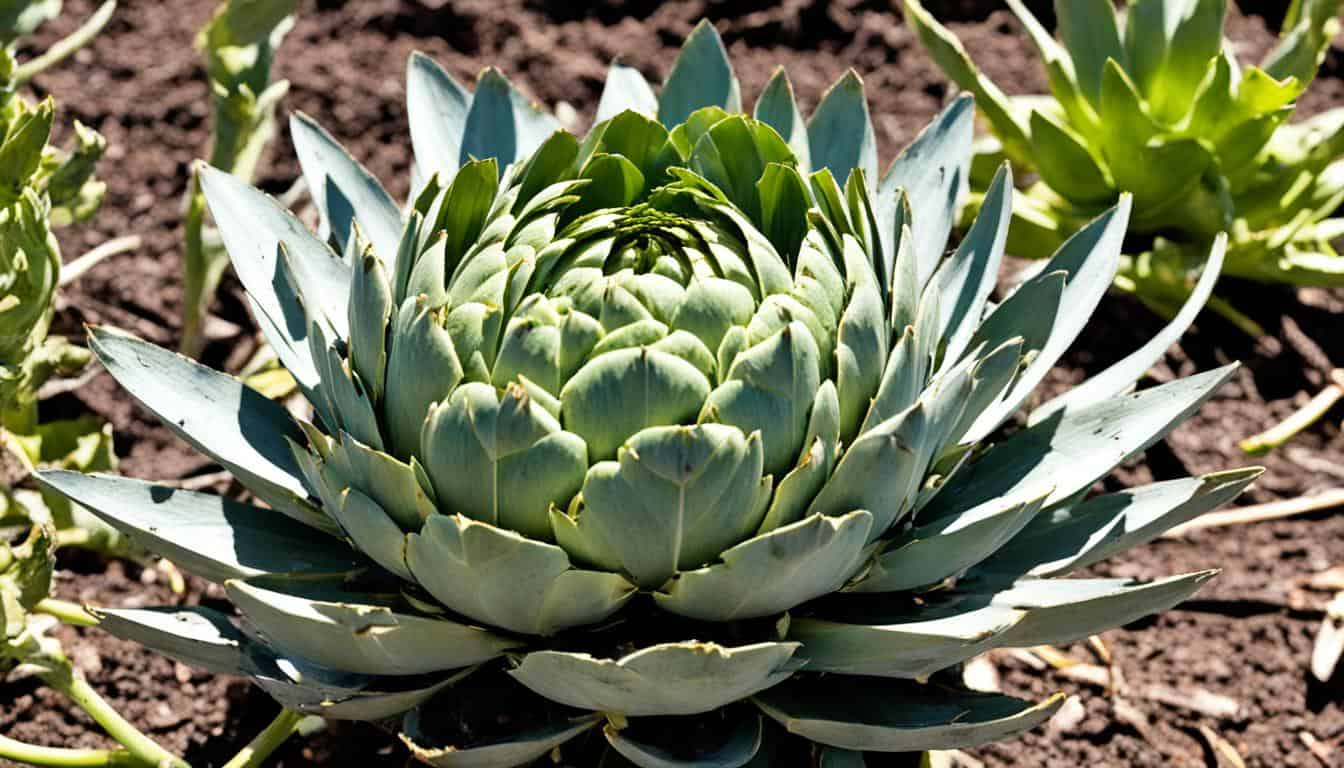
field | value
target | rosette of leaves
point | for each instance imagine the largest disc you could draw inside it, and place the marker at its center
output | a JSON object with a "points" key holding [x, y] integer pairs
{"points": [[659, 444], [1151, 100]]}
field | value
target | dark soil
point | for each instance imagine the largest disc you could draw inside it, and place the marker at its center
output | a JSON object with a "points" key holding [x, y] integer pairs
{"points": [[141, 85]]}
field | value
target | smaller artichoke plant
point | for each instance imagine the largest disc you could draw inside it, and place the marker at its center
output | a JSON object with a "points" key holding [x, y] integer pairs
{"points": [[1152, 101], [660, 444], [43, 187]]}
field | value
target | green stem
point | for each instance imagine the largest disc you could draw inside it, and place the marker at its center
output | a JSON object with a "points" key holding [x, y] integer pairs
{"points": [[203, 268], [266, 742], [66, 47], [142, 748], [64, 758], [1235, 316], [66, 611]]}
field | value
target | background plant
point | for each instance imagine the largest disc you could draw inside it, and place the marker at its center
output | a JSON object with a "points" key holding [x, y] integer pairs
{"points": [[1152, 101], [663, 429], [44, 187], [239, 45]]}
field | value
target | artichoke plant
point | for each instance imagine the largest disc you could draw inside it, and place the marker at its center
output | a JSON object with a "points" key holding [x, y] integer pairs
{"points": [[659, 444], [1151, 100]]}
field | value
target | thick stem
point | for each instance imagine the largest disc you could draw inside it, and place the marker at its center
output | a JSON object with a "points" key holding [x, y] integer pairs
{"points": [[142, 748], [66, 611], [64, 758], [66, 47], [266, 742]]}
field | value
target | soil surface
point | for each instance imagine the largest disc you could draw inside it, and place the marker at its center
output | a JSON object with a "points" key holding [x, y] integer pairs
{"points": [[1247, 637]]}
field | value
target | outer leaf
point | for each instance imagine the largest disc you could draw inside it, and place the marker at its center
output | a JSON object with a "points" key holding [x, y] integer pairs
{"points": [[210, 536], [840, 134], [877, 715], [1170, 44], [218, 415], [777, 108], [625, 89], [948, 53], [1066, 164], [197, 635], [1064, 610], [738, 750], [254, 228], [436, 107], [905, 646], [701, 77], [1073, 449], [963, 283], [343, 190], [358, 635], [1074, 537], [1122, 375], [513, 750], [928, 554], [669, 679], [1090, 258], [773, 572], [502, 123]]}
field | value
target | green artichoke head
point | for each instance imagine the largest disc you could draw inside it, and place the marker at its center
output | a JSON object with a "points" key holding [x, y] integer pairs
{"points": [[662, 421], [1151, 100]]}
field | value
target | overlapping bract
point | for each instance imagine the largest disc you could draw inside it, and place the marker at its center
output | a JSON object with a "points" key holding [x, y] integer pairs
{"points": [[661, 422], [1152, 101]]}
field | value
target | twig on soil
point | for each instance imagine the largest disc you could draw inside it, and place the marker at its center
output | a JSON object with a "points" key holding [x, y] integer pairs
{"points": [[1320, 749], [1257, 513], [1196, 700], [1329, 645], [1302, 418], [117, 245], [1224, 754], [66, 46]]}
